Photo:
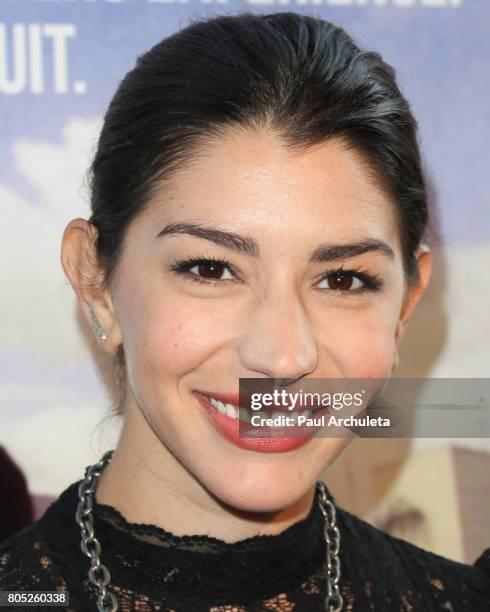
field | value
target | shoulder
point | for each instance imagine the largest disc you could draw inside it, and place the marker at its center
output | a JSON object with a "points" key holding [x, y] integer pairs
{"points": [[32, 558], [392, 557]]}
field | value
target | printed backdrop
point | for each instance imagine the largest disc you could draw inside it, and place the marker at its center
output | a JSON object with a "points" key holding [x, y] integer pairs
{"points": [[60, 62]]}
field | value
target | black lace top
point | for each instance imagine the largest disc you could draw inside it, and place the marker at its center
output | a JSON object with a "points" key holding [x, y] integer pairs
{"points": [[151, 569]]}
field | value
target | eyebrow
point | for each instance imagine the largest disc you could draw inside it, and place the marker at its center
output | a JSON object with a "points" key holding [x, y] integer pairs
{"points": [[249, 246]]}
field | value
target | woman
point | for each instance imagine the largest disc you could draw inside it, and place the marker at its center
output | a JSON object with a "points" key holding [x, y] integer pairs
{"points": [[258, 211]]}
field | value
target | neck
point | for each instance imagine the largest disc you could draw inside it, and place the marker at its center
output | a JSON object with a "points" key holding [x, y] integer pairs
{"points": [[147, 484]]}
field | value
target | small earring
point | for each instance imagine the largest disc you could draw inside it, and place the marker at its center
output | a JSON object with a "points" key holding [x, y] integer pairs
{"points": [[98, 331]]}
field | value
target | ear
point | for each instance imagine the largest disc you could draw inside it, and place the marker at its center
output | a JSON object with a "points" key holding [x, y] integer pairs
{"points": [[79, 261], [414, 291]]}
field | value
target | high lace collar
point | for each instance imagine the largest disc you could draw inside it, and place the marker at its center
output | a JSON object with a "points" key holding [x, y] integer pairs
{"points": [[146, 558]]}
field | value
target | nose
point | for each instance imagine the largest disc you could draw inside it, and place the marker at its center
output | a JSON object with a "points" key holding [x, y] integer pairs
{"points": [[278, 341]]}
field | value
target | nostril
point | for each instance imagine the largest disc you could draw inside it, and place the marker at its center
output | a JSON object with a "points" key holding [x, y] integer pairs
{"points": [[282, 382]]}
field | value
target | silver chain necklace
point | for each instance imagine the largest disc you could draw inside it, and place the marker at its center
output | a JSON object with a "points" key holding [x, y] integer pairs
{"points": [[99, 574]]}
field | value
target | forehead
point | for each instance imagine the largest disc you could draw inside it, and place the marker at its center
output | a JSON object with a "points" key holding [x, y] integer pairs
{"points": [[248, 180]]}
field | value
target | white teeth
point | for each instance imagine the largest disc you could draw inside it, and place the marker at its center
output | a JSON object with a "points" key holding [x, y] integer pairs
{"points": [[244, 416], [296, 414], [222, 408], [218, 405], [231, 411]]}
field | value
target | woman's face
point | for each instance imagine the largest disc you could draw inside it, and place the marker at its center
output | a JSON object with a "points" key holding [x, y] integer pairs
{"points": [[268, 313]]}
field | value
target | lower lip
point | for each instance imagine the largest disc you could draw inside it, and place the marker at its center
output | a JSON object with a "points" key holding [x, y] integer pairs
{"points": [[229, 429]]}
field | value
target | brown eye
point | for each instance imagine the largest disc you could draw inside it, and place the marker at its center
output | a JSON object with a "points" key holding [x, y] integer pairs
{"points": [[339, 281], [205, 270], [210, 270], [342, 281]]}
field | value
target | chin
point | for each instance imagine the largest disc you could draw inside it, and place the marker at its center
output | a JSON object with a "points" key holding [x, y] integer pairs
{"points": [[259, 490], [266, 482]]}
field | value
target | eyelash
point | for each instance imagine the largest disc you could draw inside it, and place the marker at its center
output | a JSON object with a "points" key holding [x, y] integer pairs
{"points": [[372, 282]]}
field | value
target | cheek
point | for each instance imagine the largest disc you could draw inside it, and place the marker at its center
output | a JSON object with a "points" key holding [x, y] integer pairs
{"points": [[171, 336], [363, 345]]}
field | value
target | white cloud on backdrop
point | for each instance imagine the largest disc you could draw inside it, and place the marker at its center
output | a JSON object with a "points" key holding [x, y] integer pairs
{"points": [[36, 308], [51, 399]]}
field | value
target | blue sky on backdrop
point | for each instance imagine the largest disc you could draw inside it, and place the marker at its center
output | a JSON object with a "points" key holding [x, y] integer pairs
{"points": [[442, 57]]}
